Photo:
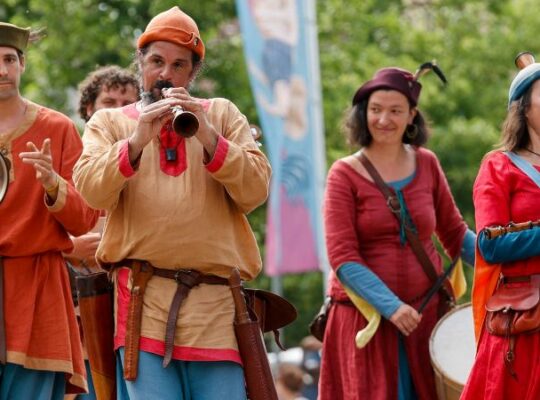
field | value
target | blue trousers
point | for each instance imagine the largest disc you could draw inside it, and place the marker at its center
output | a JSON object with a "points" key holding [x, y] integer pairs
{"points": [[181, 380], [17, 382], [91, 395]]}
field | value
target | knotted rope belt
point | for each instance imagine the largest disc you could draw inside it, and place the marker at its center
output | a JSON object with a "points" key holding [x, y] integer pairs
{"points": [[141, 272]]}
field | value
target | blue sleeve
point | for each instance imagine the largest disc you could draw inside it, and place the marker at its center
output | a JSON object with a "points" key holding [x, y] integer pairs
{"points": [[468, 247], [510, 247], [370, 287]]}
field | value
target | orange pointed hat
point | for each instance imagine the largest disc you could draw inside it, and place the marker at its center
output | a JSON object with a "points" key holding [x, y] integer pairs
{"points": [[173, 26]]}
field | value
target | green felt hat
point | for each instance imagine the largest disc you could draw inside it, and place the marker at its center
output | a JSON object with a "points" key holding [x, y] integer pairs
{"points": [[13, 36]]}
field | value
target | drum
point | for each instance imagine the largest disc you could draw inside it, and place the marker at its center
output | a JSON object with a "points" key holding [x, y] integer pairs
{"points": [[452, 349]]}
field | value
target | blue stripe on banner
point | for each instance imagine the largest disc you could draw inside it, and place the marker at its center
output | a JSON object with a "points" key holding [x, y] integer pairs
{"points": [[279, 50]]}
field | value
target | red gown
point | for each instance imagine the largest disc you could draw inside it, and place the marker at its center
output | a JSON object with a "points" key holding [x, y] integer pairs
{"points": [[360, 228], [41, 329], [503, 193]]}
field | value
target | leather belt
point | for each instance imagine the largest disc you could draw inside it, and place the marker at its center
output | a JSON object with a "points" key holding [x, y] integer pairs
{"points": [[186, 280], [534, 279], [142, 271]]}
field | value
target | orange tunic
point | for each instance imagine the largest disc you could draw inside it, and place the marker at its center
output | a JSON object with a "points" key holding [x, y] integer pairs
{"points": [[41, 328]]}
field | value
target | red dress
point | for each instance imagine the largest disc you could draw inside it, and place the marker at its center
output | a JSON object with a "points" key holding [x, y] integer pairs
{"points": [[360, 228], [503, 193]]}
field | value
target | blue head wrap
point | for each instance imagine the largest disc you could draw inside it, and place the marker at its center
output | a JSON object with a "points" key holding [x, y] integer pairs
{"points": [[523, 81]]}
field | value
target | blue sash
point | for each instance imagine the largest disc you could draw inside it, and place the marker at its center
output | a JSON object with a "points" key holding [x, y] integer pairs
{"points": [[525, 166]]}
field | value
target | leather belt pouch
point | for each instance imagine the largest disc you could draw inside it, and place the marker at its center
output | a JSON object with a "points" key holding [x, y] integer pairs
{"points": [[513, 309]]}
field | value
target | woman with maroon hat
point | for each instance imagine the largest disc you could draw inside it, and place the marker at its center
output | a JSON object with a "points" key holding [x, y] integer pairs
{"points": [[369, 248]]}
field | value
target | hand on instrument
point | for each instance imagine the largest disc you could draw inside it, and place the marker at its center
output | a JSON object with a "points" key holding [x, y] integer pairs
{"points": [[406, 319], [206, 134], [151, 119], [41, 160]]}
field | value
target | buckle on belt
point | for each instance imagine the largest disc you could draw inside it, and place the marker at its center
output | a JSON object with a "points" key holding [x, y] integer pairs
{"points": [[186, 277]]}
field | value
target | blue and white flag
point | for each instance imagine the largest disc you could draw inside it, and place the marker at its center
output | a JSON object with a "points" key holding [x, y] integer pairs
{"points": [[280, 43]]}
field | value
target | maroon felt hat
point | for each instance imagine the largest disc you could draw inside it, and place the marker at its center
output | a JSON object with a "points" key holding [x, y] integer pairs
{"points": [[390, 78]]}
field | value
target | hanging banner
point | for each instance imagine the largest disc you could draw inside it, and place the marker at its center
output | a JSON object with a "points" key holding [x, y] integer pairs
{"points": [[280, 44]]}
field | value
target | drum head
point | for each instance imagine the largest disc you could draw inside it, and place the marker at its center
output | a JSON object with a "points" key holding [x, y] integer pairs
{"points": [[452, 345], [4, 177]]}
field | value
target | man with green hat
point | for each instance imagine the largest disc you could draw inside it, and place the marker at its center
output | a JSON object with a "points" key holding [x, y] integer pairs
{"points": [[40, 347]]}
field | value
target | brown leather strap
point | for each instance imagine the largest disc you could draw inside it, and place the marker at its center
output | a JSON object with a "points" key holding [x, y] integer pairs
{"points": [[3, 347], [534, 279], [412, 237], [186, 280], [141, 274]]}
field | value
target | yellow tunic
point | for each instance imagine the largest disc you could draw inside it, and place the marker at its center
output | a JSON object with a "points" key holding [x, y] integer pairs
{"points": [[194, 220]]}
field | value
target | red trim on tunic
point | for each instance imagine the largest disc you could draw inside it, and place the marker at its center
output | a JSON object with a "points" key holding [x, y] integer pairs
{"points": [[170, 139], [222, 148], [205, 104], [123, 160], [131, 111], [190, 353]]}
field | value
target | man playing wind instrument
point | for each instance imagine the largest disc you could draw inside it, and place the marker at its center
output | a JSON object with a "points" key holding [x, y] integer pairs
{"points": [[176, 221]]}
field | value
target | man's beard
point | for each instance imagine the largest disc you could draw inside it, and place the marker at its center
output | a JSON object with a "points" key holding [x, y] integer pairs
{"points": [[155, 92]]}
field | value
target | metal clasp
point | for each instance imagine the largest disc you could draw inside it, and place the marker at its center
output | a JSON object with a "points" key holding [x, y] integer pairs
{"points": [[179, 273], [391, 207]]}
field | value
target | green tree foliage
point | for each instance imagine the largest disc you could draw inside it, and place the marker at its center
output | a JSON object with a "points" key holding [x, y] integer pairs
{"points": [[474, 42]]}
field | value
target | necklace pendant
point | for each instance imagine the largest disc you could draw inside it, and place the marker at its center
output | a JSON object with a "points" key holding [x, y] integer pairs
{"points": [[170, 154]]}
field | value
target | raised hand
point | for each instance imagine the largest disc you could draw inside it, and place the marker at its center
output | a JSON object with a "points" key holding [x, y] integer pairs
{"points": [[41, 160]]}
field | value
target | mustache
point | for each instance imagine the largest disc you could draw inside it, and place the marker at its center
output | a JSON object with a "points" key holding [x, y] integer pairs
{"points": [[154, 94]]}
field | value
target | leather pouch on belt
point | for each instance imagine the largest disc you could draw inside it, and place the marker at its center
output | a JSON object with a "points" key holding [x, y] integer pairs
{"points": [[270, 310], [513, 309]]}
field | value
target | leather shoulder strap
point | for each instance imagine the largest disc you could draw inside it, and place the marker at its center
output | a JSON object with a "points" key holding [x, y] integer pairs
{"points": [[394, 206], [524, 166]]}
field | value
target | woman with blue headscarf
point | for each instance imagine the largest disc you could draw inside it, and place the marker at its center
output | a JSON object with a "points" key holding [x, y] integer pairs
{"points": [[507, 190]]}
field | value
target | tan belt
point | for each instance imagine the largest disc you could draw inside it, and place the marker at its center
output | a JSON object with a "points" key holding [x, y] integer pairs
{"points": [[142, 271]]}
